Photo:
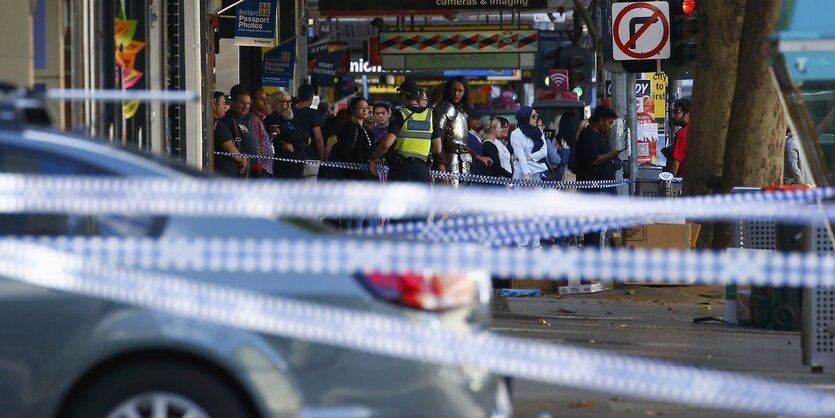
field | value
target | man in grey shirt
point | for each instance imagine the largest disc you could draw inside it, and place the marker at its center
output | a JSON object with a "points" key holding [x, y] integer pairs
{"points": [[792, 173]]}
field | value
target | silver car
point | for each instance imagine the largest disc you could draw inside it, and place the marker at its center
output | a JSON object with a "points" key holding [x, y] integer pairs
{"points": [[63, 355]]}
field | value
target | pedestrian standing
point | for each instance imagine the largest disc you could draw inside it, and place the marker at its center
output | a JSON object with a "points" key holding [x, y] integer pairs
{"points": [[681, 117], [480, 161], [566, 140], [381, 112], [235, 122], [451, 118], [309, 122], [287, 139], [595, 159], [528, 145], [354, 142], [496, 150], [255, 123], [414, 136], [225, 141]]}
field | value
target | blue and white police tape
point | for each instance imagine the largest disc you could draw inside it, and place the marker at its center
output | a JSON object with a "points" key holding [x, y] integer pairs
{"points": [[214, 197], [599, 184], [349, 256], [524, 359], [500, 229]]}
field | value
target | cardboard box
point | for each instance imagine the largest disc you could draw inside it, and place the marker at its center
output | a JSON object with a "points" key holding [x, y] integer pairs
{"points": [[662, 235]]}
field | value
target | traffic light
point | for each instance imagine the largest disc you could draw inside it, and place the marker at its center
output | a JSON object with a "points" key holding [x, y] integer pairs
{"points": [[546, 61], [579, 62], [684, 30]]}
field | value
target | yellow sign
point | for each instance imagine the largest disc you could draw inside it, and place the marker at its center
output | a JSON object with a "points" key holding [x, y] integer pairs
{"points": [[659, 92], [129, 108]]}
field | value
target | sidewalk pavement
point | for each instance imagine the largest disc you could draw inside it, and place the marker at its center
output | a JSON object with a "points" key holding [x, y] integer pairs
{"points": [[642, 321]]}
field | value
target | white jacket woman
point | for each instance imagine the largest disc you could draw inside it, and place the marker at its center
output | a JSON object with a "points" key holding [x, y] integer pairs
{"points": [[523, 140]]}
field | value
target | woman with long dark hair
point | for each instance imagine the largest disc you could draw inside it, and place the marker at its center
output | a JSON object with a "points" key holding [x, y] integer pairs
{"points": [[354, 142], [566, 139]]}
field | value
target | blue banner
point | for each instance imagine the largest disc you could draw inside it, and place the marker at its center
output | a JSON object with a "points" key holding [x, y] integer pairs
{"points": [[255, 22], [329, 66], [279, 64]]}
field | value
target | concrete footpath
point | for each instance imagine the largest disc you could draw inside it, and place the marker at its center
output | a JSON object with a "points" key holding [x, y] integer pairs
{"points": [[654, 322]]}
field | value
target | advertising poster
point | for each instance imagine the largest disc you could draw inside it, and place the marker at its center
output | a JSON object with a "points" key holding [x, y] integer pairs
{"points": [[255, 22], [652, 114], [328, 60], [278, 65], [127, 49]]}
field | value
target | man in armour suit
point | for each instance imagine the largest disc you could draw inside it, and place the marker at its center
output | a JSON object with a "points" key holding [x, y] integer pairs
{"points": [[451, 119]]}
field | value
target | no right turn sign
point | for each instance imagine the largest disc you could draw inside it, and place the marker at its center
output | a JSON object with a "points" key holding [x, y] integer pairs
{"points": [[640, 30]]}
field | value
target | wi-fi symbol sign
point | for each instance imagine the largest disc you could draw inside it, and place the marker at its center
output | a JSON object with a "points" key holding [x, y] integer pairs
{"points": [[558, 79]]}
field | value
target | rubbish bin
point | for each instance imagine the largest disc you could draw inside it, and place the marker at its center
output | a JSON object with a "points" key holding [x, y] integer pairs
{"points": [[785, 304]]}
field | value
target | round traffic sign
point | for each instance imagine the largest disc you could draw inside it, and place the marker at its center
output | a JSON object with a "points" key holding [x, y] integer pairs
{"points": [[626, 47]]}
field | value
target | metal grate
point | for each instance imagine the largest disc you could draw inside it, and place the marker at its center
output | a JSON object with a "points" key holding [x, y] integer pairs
{"points": [[820, 314], [175, 80], [755, 235], [651, 188]]}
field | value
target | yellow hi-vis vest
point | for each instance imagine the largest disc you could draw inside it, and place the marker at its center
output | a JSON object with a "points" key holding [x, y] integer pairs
{"points": [[415, 137]]}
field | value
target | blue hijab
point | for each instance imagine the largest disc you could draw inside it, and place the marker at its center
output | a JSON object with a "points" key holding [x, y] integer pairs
{"points": [[523, 123]]}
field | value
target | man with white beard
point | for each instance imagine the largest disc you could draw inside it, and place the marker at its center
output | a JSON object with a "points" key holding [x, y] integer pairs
{"points": [[289, 141]]}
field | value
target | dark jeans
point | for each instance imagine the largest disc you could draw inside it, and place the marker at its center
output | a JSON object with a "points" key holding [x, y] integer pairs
{"points": [[593, 239], [409, 169], [288, 170]]}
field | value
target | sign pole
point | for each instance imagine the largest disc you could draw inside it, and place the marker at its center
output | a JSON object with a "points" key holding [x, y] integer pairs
{"points": [[632, 139]]}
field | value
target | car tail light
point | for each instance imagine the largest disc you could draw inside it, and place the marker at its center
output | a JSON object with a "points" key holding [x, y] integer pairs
{"points": [[425, 290]]}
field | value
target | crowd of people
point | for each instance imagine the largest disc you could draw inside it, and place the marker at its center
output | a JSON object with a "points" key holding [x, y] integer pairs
{"points": [[286, 138]]}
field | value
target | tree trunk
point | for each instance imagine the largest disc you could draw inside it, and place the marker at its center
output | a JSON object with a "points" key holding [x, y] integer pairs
{"points": [[754, 142], [720, 29], [754, 149]]}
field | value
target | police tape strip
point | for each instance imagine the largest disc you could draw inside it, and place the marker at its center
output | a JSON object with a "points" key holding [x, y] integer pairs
{"points": [[348, 256], [525, 359], [452, 176], [501, 230], [216, 197]]}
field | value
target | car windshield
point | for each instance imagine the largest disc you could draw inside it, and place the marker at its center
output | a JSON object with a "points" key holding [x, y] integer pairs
{"points": [[162, 160]]}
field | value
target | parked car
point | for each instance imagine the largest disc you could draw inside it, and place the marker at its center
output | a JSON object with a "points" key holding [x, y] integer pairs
{"points": [[63, 355]]}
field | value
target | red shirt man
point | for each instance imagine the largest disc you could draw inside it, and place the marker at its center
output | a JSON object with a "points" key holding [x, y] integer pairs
{"points": [[681, 117]]}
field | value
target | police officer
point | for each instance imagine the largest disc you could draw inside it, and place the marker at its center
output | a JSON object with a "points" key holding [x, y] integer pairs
{"points": [[414, 135]]}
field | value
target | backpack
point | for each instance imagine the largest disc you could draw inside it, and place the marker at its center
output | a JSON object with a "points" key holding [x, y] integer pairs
{"points": [[572, 160]]}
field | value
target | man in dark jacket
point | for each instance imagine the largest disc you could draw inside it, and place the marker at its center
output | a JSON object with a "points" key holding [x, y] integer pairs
{"points": [[288, 140], [595, 158]]}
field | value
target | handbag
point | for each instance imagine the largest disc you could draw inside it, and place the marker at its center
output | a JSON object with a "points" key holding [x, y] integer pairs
{"points": [[549, 174]]}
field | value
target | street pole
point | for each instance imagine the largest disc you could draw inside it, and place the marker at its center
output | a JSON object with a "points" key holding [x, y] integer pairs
{"points": [[632, 123], [619, 105], [300, 72]]}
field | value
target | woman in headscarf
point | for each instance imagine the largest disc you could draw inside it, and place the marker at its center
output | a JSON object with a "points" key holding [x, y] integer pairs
{"points": [[528, 144]]}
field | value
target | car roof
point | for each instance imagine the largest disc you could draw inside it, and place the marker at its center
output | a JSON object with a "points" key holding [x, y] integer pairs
{"points": [[108, 156]]}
